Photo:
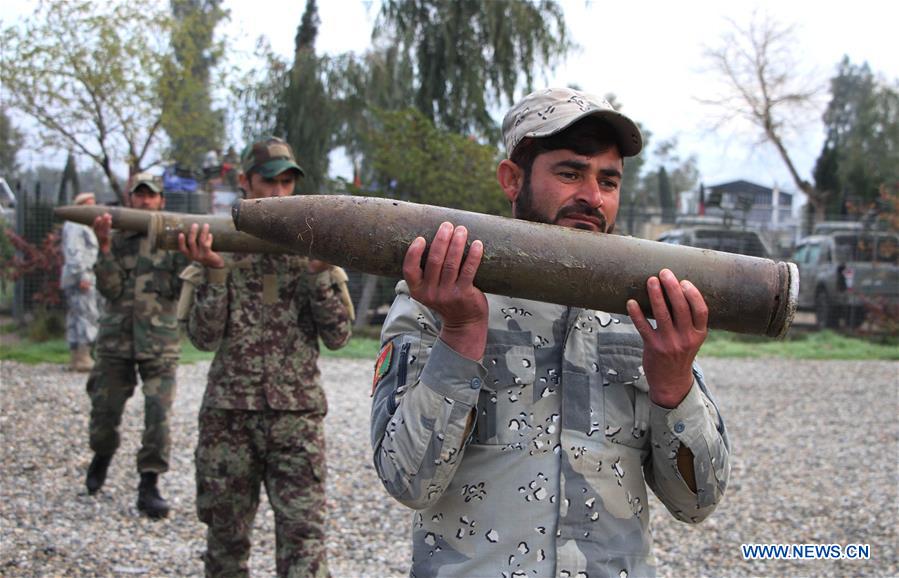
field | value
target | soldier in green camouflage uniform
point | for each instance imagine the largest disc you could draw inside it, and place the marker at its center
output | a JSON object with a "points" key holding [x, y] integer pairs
{"points": [[525, 435], [138, 333], [261, 422]]}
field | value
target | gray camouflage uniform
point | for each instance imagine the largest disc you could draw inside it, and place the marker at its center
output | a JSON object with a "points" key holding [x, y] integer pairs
{"points": [[261, 422], [79, 248], [552, 479]]}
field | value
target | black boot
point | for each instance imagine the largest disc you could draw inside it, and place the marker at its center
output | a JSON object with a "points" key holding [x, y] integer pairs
{"points": [[149, 502], [96, 473]]}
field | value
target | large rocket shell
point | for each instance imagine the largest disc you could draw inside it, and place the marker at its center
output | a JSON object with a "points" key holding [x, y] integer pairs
{"points": [[529, 260]]}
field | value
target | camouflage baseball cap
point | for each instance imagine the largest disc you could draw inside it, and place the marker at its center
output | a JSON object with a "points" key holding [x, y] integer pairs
{"points": [[146, 180], [545, 112], [269, 157]]}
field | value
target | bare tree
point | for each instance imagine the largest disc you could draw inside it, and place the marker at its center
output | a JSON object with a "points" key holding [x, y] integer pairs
{"points": [[88, 74], [760, 84]]}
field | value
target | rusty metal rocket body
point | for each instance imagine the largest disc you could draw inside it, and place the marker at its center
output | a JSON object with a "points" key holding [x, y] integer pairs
{"points": [[163, 227], [529, 260]]}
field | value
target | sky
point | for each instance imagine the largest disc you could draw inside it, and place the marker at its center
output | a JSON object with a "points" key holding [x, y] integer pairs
{"points": [[648, 53]]}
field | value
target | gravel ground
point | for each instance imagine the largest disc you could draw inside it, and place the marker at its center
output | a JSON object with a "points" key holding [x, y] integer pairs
{"points": [[815, 444]]}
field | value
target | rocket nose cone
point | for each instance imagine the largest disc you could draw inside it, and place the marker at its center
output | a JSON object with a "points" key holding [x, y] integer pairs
{"points": [[66, 211]]}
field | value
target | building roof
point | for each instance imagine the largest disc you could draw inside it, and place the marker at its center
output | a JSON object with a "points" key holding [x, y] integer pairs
{"points": [[760, 194]]}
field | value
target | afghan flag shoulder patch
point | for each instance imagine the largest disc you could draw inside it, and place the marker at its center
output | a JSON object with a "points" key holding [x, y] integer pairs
{"points": [[382, 366]]}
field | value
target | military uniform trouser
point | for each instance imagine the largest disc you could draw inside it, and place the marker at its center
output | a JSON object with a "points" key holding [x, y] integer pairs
{"points": [[82, 316], [237, 452], [111, 383]]}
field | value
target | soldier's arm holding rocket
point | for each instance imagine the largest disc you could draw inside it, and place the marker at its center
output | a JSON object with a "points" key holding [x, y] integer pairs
{"points": [[689, 465], [446, 285], [330, 304], [207, 313], [110, 274], [434, 338]]}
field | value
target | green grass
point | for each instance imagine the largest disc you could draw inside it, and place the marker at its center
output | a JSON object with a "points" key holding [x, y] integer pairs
{"points": [[814, 345], [822, 345], [358, 348], [57, 351], [190, 354], [52, 351]]}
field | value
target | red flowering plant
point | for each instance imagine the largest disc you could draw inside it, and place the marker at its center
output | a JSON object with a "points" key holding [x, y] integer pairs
{"points": [[42, 262]]}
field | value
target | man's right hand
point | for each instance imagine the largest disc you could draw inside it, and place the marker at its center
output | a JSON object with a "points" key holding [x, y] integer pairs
{"points": [[102, 229], [446, 286], [197, 246]]}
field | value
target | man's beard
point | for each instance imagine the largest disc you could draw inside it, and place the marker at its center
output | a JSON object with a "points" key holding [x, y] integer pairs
{"points": [[524, 209]]}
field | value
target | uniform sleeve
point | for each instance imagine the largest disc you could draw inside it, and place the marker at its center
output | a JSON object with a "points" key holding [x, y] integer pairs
{"points": [[110, 275], [697, 424], [330, 313], [207, 316], [422, 399]]}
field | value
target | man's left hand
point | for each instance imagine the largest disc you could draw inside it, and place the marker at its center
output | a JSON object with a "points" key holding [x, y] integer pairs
{"points": [[85, 285], [670, 348], [197, 246]]}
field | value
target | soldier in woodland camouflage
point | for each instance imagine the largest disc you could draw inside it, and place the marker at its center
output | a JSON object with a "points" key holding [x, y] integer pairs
{"points": [[138, 334], [79, 284], [261, 422], [525, 434]]}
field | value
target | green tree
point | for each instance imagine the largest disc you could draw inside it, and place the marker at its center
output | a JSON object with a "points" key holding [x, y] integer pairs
{"points": [[88, 74], [418, 162], [666, 199], [635, 192], [861, 148], [306, 116], [673, 177], [11, 141], [188, 118], [258, 94], [69, 184], [359, 84], [466, 55]]}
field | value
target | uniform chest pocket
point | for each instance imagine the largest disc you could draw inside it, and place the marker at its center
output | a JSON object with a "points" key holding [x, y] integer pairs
{"points": [[163, 279], [625, 391], [506, 398]]}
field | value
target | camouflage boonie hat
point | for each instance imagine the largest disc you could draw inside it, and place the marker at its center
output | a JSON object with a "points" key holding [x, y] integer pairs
{"points": [[269, 158], [545, 112], [146, 180]]}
